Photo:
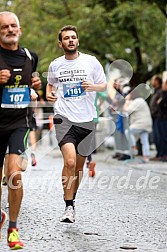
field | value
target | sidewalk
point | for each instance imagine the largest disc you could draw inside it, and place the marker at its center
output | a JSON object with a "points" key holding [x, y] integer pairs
{"points": [[154, 166], [124, 206]]}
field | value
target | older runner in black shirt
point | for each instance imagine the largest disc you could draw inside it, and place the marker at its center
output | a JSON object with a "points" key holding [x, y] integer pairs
{"points": [[16, 78]]}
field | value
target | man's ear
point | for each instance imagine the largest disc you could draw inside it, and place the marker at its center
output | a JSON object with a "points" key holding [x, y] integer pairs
{"points": [[20, 32], [60, 44]]}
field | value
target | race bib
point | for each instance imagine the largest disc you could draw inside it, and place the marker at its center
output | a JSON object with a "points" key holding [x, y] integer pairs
{"points": [[73, 91], [15, 97]]}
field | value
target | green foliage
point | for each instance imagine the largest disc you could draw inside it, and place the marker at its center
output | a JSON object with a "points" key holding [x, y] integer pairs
{"points": [[117, 29]]}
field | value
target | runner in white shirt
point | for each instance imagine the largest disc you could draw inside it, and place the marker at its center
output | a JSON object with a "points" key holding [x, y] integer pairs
{"points": [[76, 77]]}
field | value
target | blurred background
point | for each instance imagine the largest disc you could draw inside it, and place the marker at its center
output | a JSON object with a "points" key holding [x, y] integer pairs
{"points": [[118, 29], [134, 31]]}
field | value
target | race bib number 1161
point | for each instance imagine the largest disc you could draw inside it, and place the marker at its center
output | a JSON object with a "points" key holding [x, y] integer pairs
{"points": [[73, 90]]}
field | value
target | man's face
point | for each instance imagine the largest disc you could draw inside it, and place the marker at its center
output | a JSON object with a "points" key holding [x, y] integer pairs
{"points": [[69, 41], [155, 83], [164, 86], [10, 30]]}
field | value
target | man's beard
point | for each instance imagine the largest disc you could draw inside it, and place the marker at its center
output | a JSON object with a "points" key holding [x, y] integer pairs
{"points": [[11, 42], [68, 51]]}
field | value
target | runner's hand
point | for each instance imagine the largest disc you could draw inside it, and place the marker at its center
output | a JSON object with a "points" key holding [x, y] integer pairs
{"points": [[36, 82], [51, 97], [87, 85], [4, 76]]}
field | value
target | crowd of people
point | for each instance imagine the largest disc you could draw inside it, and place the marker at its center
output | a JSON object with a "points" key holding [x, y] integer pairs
{"points": [[158, 108], [74, 82], [146, 120]]}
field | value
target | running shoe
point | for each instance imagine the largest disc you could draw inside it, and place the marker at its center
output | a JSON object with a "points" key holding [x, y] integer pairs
{"points": [[91, 166], [69, 215], [13, 239], [2, 221], [33, 160]]}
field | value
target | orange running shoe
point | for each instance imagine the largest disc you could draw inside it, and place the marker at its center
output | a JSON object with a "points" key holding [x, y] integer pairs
{"points": [[91, 167], [13, 239]]}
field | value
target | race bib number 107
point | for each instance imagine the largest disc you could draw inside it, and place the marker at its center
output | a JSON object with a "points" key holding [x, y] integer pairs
{"points": [[15, 97]]}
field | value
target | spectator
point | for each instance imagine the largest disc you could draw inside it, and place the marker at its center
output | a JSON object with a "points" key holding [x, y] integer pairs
{"points": [[117, 102], [156, 83], [140, 122], [161, 122]]}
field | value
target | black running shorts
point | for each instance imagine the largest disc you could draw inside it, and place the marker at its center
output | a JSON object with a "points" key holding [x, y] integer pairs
{"points": [[15, 140], [82, 135]]}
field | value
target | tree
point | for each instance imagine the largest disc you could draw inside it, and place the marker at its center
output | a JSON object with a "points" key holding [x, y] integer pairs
{"points": [[110, 30], [141, 27]]}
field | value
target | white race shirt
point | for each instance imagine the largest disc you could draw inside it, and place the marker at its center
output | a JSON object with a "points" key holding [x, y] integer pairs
{"points": [[67, 76]]}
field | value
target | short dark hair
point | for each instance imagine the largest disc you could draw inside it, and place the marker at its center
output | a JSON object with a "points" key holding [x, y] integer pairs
{"points": [[157, 78], [67, 28]]}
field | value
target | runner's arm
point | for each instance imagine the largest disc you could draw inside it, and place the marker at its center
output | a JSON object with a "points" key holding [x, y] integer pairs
{"points": [[50, 93], [88, 86]]}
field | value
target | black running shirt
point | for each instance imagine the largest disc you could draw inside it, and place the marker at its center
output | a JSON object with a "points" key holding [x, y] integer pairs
{"points": [[15, 94]]}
